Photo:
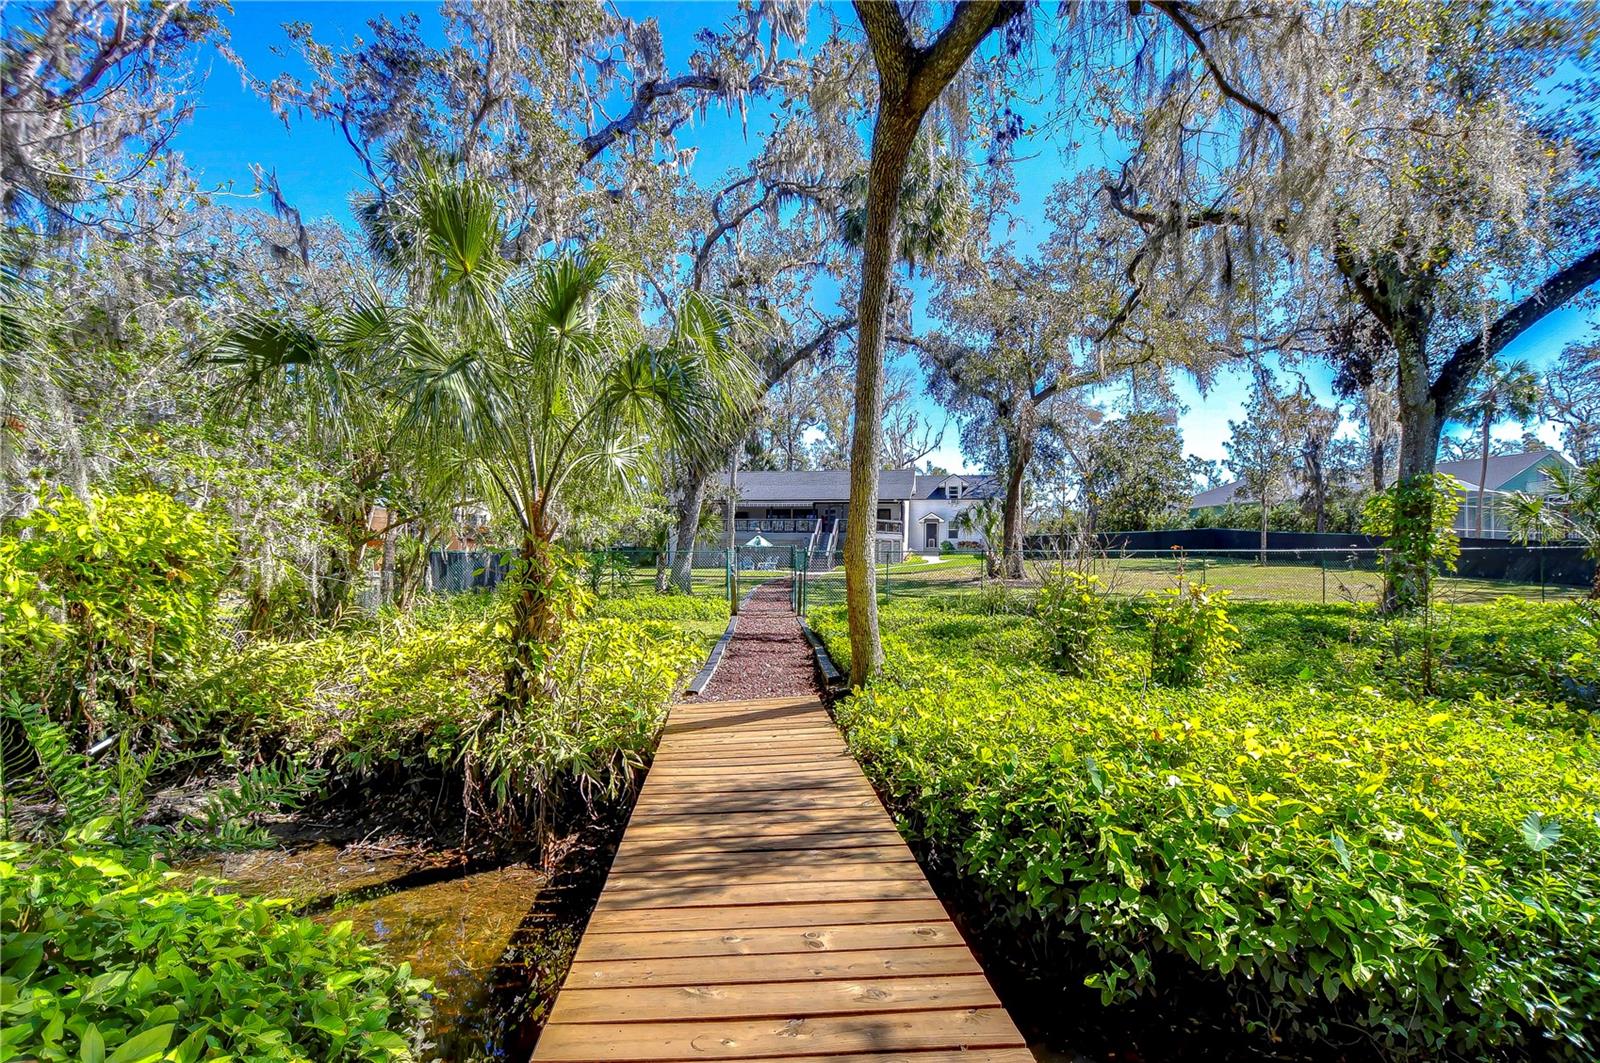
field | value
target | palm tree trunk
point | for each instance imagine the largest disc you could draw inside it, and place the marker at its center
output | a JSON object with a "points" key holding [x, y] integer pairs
{"points": [[386, 579], [1483, 470], [661, 566], [1266, 509], [535, 617]]}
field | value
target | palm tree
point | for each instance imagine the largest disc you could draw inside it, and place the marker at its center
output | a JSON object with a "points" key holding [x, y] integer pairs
{"points": [[1570, 510], [1504, 392], [523, 383]]}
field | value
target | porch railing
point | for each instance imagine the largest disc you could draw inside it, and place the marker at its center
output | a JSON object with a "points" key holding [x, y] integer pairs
{"points": [[799, 525]]}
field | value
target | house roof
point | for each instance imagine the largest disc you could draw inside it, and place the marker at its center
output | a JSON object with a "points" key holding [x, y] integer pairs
{"points": [[1223, 495], [1502, 469], [833, 485], [975, 486], [818, 485]]}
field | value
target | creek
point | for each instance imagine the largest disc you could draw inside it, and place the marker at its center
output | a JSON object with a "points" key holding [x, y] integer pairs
{"points": [[493, 941]]}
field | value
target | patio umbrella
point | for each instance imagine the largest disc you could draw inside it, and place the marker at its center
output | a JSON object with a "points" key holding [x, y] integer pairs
{"points": [[759, 541]]}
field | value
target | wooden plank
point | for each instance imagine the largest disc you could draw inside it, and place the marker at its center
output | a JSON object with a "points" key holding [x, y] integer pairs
{"points": [[757, 821], [807, 940], [739, 917], [702, 805], [744, 758], [789, 999], [633, 861], [778, 1037], [790, 967], [679, 843], [724, 895], [742, 835], [812, 871], [756, 784]]}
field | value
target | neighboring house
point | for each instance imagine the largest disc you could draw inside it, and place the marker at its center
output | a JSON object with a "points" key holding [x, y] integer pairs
{"points": [[916, 512], [469, 527], [1508, 473]]}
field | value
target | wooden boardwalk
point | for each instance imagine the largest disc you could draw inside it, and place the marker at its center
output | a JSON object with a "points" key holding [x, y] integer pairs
{"points": [[762, 906]]}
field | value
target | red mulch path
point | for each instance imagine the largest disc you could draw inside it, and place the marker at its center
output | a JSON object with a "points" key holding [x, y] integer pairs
{"points": [[767, 657]]}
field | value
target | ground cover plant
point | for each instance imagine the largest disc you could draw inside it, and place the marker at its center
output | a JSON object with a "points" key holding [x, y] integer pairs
{"points": [[420, 692], [1338, 850], [107, 957]]}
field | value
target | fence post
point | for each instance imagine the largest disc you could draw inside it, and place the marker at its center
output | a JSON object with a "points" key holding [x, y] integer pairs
{"points": [[1203, 581], [1324, 578], [1540, 549]]}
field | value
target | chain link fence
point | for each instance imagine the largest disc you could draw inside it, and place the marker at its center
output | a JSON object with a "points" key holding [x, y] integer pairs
{"points": [[1344, 575], [1351, 575]]}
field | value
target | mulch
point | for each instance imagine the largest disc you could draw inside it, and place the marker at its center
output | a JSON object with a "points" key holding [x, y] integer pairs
{"points": [[768, 656]]}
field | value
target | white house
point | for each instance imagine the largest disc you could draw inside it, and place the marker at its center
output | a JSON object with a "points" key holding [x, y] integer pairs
{"points": [[916, 513], [941, 510]]}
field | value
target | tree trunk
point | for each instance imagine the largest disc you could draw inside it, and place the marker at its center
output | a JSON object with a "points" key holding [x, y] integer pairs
{"points": [[1483, 471], [1012, 510], [386, 576], [661, 565], [1266, 508], [732, 538], [688, 529], [909, 80], [892, 137], [1380, 458], [1420, 424], [535, 618]]}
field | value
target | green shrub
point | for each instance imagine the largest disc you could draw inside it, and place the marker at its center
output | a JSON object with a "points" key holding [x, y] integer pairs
{"points": [[664, 607], [105, 959], [1335, 855], [1072, 612], [420, 692], [118, 596], [1417, 519], [1190, 636]]}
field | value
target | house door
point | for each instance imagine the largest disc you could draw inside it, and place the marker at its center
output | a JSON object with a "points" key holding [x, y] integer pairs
{"points": [[931, 535]]}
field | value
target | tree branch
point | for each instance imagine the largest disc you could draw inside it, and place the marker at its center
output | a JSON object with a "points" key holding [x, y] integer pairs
{"points": [[644, 100], [1468, 359], [1173, 9]]}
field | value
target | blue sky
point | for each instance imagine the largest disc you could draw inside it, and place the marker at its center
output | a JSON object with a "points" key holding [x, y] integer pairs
{"points": [[233, 129]]}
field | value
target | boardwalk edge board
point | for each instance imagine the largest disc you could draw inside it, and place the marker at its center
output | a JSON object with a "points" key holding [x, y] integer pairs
{"points": [[833, 680]]}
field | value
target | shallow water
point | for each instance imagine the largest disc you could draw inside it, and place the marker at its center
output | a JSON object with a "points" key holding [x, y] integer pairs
{"points": [[475, 936]]}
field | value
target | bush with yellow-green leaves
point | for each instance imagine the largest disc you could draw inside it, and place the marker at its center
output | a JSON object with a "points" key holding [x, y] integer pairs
{"points": [[1330, 848]]}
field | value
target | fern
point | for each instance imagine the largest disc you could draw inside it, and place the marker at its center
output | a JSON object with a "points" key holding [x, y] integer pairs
{"points": [[43, 766], [227, 820]]}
